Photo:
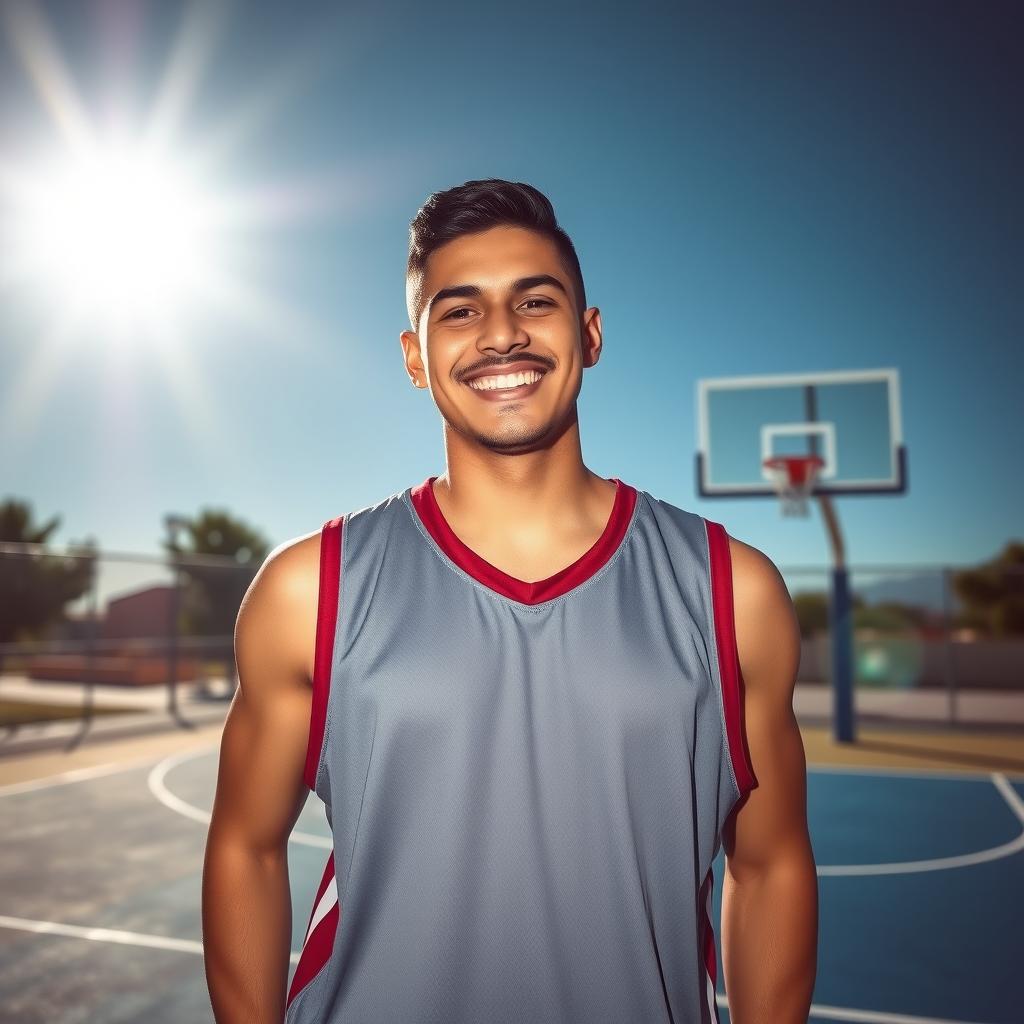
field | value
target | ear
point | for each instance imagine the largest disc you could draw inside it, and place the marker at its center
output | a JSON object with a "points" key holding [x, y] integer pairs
{"points": [[591, 336], [413, 360]]}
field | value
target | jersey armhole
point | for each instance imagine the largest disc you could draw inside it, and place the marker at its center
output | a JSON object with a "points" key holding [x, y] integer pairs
{"points": [[323, 656], [720, 567]]}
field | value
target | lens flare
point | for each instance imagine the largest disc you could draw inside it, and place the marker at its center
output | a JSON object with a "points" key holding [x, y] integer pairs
{"points": [[123, 236]]}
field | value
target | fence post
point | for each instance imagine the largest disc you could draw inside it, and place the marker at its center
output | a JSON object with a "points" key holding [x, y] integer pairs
{"points": [[172, 660], [947, 618], [91, 644], [172, 637], [843, 728]]}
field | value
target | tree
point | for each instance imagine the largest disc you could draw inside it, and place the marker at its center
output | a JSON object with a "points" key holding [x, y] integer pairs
{"points": [[213, 592], [891, 617], [993, 593], [36, 586], [811, 612]]}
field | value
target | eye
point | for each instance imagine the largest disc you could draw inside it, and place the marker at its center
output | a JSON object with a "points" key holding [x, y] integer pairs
{"points": [[451, 314]]}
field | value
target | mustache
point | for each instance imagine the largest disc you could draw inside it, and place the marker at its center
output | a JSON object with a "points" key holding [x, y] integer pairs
{"points": [[497, 367]]}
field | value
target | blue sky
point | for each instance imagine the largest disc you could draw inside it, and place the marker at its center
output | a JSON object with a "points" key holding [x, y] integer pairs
{"points": [[751, 189]]}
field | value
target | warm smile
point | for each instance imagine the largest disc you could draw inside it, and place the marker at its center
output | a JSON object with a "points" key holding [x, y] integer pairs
{"points": [[495, 387]]}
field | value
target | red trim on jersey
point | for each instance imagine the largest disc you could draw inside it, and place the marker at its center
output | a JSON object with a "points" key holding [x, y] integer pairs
{"points": [[325, 879], [425, 503], [710, 956], [720, 561], [317, 947], [326, 620]]}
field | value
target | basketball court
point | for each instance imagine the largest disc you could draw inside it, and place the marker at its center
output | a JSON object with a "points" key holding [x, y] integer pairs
{"points": [[918, 836]]}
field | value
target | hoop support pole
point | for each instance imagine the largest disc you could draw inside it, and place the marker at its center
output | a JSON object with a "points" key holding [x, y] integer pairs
{"points": [[841, 628]]}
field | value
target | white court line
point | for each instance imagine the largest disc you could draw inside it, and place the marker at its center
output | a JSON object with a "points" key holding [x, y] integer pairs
{"points": [[112, 767], [967, 775], [196, 948], [171, 801], [877, 1016], [159, 789], [75, 931], [963, 860], [1010, 795], [76, 775], [863, 1016]]}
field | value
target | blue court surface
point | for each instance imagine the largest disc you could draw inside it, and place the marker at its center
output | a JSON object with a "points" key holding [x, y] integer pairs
{"points": [[921, 894]]}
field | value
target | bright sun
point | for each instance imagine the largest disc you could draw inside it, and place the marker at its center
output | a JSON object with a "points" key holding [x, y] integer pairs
{"points": [[126, 229], [122, 236]]}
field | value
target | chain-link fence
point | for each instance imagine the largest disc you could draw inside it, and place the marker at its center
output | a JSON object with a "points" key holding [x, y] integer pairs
{"points": [[104, 632], [930, 643]]}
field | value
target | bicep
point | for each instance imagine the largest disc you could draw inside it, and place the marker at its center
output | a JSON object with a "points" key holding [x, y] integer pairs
{"points": [[769, 825], [260, 785]]}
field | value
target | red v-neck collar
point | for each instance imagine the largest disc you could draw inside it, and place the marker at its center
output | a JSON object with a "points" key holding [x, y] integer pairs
{"points": [[429, 511]]}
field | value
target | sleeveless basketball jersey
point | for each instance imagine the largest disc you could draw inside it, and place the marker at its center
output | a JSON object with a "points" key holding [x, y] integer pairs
{"points": [[526, 783]]}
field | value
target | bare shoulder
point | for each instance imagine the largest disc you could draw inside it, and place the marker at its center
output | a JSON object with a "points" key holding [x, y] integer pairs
{"points": [[767, 631], [277, 616], [754, 573], [260, 786]]}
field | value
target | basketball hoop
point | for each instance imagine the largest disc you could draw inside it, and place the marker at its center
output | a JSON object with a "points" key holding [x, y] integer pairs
{"points": [[794, 477]]}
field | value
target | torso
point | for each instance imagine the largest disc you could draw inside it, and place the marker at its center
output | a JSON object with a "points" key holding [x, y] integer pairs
{"points": [[556, 760]]}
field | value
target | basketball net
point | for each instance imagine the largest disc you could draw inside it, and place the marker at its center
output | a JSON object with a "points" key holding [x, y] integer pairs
{"points": [[793, 477]]}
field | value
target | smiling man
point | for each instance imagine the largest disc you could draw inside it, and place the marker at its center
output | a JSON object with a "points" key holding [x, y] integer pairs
{"points": [[536, 702]]}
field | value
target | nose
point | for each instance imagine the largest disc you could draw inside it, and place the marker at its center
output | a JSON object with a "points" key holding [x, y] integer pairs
{"points": [[502, 332]]}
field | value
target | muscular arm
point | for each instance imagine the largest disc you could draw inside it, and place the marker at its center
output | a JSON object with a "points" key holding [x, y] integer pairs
{"points": [[770, 887], [246, 901]]}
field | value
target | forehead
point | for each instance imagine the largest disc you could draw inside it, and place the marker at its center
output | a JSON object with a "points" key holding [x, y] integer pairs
{"points": [[491, 257]]}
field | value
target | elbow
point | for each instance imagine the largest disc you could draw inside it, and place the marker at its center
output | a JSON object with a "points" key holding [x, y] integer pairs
{"points": [[792, 859]]}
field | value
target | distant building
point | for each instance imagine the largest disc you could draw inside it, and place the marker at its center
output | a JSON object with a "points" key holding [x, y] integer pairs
{"points": [[144, 613], [142, 621]]}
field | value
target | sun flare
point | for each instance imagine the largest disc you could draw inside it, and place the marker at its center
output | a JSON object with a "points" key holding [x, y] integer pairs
{"points": [[134, 224], [122, 236]]}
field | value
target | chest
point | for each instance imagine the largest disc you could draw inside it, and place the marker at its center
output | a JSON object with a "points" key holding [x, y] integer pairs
{"points": [[450, 664]]}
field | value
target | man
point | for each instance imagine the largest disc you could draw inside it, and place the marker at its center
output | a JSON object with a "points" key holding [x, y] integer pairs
{"points": [[535, 701]]}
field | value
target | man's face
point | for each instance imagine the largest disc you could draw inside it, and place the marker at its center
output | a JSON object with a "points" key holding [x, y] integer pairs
{"points": [[503, 317]]}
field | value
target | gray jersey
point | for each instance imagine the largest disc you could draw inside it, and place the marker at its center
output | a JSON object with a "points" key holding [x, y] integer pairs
{"points": [[526, 783]]}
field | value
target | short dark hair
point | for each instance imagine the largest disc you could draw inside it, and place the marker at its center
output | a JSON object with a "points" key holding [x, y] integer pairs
{"points": [[476, 206]]}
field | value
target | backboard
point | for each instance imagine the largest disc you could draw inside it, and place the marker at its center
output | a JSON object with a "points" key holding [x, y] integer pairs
{"points": [[850, 418]]}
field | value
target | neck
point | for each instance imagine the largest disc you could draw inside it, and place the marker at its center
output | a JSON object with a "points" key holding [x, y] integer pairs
{"points": [[525, 499]]}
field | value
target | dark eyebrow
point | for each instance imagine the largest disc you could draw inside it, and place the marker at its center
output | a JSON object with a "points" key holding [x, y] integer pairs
{"points": [[471, 291]]}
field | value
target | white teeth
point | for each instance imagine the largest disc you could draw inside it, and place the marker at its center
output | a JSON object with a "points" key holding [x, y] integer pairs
{"points": [[508, 380]]}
